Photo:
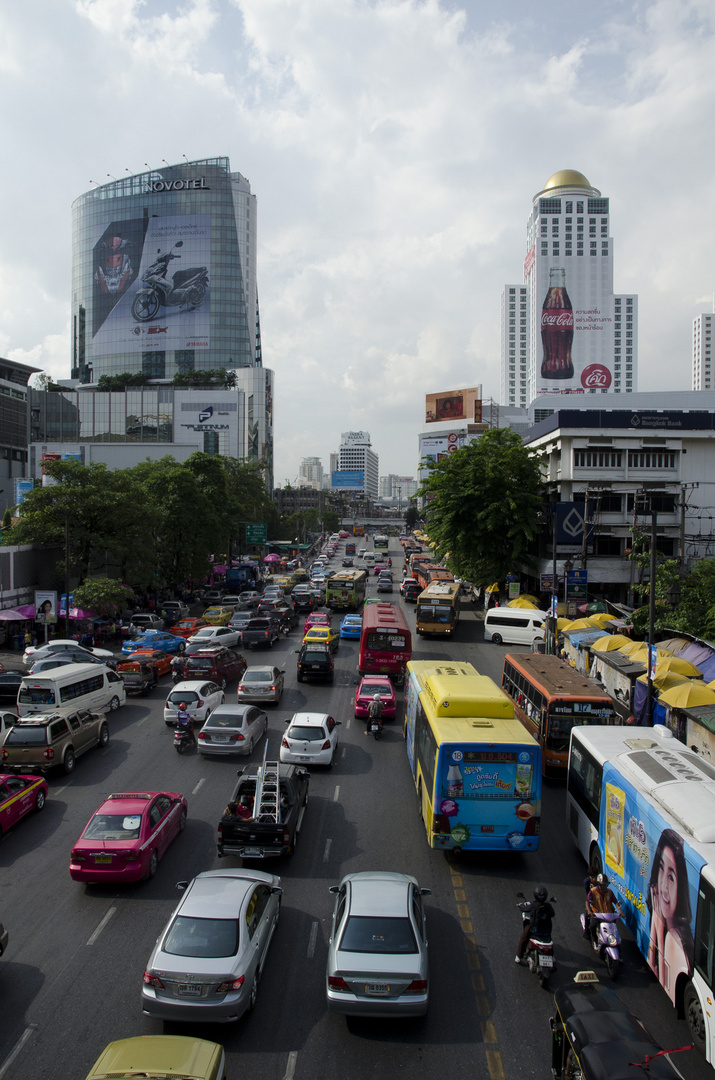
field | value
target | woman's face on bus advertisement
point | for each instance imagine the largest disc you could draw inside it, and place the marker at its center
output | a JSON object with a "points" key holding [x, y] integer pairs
{"points": [[668, 885]]}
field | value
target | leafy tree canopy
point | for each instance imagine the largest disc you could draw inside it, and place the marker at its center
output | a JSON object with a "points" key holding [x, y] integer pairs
{"points": [[105, 596], [412, 516], [483, 506], [694, 613]]}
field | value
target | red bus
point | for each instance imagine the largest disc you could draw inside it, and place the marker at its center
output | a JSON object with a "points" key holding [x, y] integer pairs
{"points": [[385, 642]]}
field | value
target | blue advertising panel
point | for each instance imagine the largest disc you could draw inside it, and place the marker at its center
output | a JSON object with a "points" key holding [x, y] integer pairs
{"points": [[487, 796], [655, 874], [348, 479]]}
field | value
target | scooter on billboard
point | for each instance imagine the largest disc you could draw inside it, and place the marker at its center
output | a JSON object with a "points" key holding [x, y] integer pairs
{"points": [[186, 289]]}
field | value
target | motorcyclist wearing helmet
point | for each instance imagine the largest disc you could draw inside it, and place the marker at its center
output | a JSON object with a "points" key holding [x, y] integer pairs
{"points": [[540, 914], [600, 900], [374, 712], [185, 722]]}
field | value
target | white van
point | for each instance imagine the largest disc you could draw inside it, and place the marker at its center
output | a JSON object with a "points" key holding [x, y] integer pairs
{"points": [[73, 686], [369, 559], [514, 626]]}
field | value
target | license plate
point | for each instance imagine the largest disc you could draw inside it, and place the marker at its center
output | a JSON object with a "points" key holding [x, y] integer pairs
{"points": [[251, 851], [546, 961], [219, 738], [102, 858], [377, 989], [189, 990]]}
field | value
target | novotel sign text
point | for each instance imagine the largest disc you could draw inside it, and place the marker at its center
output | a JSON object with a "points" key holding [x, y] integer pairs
{"points": [[178, 185]]}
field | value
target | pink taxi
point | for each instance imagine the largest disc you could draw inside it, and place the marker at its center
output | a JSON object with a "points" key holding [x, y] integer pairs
{"points": [[371, 685], [316, 618], [19, 795], [127, 836]]}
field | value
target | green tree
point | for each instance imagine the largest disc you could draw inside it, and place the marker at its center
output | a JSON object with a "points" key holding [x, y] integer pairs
{"points": [[183, 523], [694, 613], [105, 596], [483, 506], [412, 516]]}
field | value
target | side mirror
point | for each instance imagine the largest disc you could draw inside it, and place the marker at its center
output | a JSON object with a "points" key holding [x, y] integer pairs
{"points": [[182, 886], [521, 896], [425, 892], [335, 889]]}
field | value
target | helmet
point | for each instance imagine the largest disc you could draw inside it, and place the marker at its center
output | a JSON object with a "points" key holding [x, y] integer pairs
{"points": [[540, 894], [375, 697], [603, 879]]}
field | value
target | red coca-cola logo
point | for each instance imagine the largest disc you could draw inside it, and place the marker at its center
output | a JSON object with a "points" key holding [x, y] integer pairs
{"points": [[562, 319], [596, 377]]}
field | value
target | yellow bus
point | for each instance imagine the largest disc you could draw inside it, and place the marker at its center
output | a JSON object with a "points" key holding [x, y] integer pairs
{"points": [[345, 589], [438, 608], [476, 770]]}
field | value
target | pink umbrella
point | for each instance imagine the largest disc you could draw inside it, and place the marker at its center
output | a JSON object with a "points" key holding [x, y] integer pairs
{"points": [[272, 557]]}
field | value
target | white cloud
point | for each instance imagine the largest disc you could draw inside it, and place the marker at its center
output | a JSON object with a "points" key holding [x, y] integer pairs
{"points": [[394, 147]]}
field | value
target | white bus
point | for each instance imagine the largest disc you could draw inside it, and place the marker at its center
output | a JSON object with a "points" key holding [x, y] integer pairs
{"points": [[514, 626], [641, 805], [71, 686]]}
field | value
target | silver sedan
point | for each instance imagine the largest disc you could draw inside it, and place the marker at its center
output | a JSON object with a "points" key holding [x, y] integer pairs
{"points": [[377, 958], [261, 683], [208, 961]]}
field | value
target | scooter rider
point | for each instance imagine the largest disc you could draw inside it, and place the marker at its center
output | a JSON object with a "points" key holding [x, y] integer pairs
{"points": [[374, 712], [600, 900], [177, 668], [185, 722], [539, 923]]}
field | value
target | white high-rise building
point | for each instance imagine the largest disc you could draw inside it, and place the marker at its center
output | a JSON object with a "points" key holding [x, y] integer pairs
{"points": [[702, 352], [394, 487], [580, 336], [358, 465], [310, 473]]}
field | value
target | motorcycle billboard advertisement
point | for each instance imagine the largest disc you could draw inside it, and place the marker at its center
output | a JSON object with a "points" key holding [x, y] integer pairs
{"points": [[151, 289], [574, 314]]}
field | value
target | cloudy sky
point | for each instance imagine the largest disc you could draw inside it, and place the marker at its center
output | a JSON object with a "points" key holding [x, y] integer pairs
{"points": [[394, 147]]}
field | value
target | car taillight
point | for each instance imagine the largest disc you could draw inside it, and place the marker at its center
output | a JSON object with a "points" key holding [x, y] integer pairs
{"points": [[199, 704], [128, 855], [417, 986], [167, 704], [230, 984], [326, 745], [284, 742], [336, 982], [48, 753], [78, 856], [5, 755], [237, 738], [272, 689], [152, 980], [203, 735], [286, 836]]}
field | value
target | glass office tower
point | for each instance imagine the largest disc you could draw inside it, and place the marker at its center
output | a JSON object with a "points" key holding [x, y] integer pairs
{"points": [[164, 273]]}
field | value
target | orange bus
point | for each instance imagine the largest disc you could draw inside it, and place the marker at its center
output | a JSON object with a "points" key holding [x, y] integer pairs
{"points": [[385, 642], [550, 698]]}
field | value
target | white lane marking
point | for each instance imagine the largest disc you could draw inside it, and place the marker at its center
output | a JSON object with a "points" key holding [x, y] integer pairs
{"points": [[313, 939], [101, 926], [290, 1066], [142, 721], [326, 853], [336, 794], [16, 1049], [58, 790], [201, 781]]}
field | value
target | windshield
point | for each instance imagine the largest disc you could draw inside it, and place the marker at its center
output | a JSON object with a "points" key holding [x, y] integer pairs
{"points": [[367, 934], [202, 937], [183, 697], [36, 695], [22, 735], [113, 827], [308, 734], [258, 676]]}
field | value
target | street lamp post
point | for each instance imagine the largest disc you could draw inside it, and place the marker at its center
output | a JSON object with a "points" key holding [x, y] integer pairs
{"points": [[651, 613]]}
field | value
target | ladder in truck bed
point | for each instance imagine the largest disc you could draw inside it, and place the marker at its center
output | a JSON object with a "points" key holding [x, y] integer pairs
{"points": [[267, 802]]}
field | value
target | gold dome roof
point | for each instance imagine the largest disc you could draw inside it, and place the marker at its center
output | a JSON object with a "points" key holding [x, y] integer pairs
{"points": [[566, 178]]}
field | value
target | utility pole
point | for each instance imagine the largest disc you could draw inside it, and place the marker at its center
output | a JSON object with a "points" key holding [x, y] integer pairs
{"points": [[651, 611], [584, 542]]}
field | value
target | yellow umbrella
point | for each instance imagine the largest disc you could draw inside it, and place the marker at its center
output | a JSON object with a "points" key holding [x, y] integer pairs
{"points": [[492, 588], [679, 667], [687, 695], [640, 656], [632, 647], [530, 596], [562, 624], [602, 618], [522, 602], [664, 680], [609, 642], [580, 624]]}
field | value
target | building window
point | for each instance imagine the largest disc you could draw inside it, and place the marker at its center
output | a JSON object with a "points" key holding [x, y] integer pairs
{"points": [[597, 459], [651, 459]]}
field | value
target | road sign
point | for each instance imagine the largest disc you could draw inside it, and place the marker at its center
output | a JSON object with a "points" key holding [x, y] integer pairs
{"points": [[577, 584], [256, 534]]}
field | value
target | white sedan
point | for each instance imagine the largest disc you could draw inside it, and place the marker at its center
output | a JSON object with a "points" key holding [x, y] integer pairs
{"points": [[311, 739], [200, 698], [216, 635], [59, 645]]}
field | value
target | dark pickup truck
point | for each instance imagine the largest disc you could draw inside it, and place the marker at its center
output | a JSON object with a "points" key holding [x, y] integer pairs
{"points": [[259, 631], [255, 837]]}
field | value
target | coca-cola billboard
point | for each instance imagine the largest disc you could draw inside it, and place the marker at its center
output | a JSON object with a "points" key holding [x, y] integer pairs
{"points": [[574, 309]]}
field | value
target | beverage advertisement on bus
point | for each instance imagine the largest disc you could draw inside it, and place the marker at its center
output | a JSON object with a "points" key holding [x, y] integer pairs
{"points": [[471, 778], [655, 874]]}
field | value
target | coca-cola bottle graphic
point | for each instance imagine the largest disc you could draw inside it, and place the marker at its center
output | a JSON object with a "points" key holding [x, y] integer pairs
{"points": [[557, 328]]}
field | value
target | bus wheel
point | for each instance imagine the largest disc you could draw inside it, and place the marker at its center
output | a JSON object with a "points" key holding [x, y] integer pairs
{"points": [[419, 802], [694, 1016], [595, 859]]}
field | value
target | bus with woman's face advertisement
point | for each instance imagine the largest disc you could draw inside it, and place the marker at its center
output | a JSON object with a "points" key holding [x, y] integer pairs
{"points": [[641, 805]]}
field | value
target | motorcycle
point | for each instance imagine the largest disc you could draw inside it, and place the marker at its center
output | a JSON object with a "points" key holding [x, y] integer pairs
{"points": [[177, 675], [539, 953], [373, 728], [184, 737], [608, 940], [186, 289]]}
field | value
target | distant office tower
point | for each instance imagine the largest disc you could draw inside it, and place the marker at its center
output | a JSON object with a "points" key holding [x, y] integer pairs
{"points": [[397, 487], [515, 346], [164, 273], [702, 352], [358, 464], [311, 472], [579, 337]]}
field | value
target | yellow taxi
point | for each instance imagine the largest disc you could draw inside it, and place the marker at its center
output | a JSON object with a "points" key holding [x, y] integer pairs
{"points": [[218, 616], [325, 635], [300, 575], [161, 1055], [284, 582]]}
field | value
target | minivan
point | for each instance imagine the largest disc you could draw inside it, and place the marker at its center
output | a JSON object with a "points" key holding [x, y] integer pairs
{"points": [[73, 686], [514, 626]]}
